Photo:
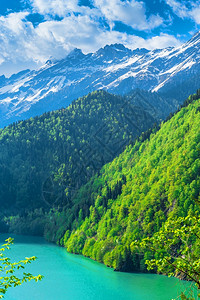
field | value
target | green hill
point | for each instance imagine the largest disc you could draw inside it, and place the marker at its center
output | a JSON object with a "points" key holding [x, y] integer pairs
{"points": [[135, 194], [45, 159]]}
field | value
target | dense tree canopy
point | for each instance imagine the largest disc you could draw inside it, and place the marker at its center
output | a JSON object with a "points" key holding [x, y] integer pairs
{"points": [[153, 183], [150, 183], [42, 157]]}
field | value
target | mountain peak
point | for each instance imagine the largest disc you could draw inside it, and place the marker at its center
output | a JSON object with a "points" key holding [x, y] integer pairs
{"points": [[114, 68], [195, 38], [140, 51], [75, 53], [115, 47], [113, 51]]}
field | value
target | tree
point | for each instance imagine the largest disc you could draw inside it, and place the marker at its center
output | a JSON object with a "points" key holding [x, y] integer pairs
{"points": [[7, 270], [175, 250]]}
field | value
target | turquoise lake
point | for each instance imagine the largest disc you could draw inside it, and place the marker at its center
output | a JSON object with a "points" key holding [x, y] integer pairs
{"points": [[72, 277]]}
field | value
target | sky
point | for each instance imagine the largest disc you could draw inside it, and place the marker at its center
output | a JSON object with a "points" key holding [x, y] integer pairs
{"points": [[33, 31]]}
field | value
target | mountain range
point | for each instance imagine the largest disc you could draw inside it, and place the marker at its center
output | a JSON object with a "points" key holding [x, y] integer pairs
{"points": [[114, 68]]}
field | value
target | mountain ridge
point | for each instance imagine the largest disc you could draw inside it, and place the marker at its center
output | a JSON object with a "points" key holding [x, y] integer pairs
{"points": [[114, 68]]}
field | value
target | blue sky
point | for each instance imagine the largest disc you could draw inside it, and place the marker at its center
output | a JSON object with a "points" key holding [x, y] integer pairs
{"points": [[32, 31]]}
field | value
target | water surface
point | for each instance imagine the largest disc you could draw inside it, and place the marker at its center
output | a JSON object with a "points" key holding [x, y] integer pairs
{"points": [[72, 277]]}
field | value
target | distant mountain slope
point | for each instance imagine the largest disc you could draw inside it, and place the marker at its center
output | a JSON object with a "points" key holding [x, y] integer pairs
{"points": [[113, 68], [136, 193], [45, 157]]}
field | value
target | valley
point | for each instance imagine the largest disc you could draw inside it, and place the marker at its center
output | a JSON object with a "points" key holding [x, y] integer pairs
{"points": [[100, 163]]}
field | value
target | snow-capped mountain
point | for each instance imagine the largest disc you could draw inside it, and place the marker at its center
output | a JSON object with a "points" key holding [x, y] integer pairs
{"points": [[113, 68]]}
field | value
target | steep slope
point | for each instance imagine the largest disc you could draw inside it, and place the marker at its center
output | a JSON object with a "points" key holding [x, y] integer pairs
{"points": [[135, 194], [45, 157], [113, 68]]}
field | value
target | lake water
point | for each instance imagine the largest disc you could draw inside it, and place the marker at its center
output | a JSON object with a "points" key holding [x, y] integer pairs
{"points": [[72, 277]]}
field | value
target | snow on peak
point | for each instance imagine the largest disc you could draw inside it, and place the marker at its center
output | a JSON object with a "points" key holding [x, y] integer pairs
{"points": [[114, 68]]}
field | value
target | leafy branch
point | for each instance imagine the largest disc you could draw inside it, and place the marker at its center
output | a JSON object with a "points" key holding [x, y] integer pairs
{"points": [[7, 270], [171, 249]]}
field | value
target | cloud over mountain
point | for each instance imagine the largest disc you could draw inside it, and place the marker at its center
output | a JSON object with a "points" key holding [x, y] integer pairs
{"points": [[89, 25]]}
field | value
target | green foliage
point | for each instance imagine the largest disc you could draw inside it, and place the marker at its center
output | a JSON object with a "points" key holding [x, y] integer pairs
{"points": [[153, 182], [175, 249], [45, 159], [150, 183], [8, 269]]}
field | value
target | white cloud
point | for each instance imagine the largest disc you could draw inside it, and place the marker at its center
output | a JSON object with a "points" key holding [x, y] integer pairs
{"points": [[161, 41], [54, 7], [178, 8], [195, 14], [186, 9], [61, 8], [22, 45], [13, 32], [132, 13], [14, 21]]}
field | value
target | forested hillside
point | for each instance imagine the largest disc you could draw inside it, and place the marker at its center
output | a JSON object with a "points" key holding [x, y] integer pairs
{"points": [[45, 159], [134, 195]]}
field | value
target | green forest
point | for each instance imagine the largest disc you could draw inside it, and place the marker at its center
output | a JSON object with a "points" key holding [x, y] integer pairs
{"points": [[46, 159], [62, 176], [42, 157], [150, 183]]}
